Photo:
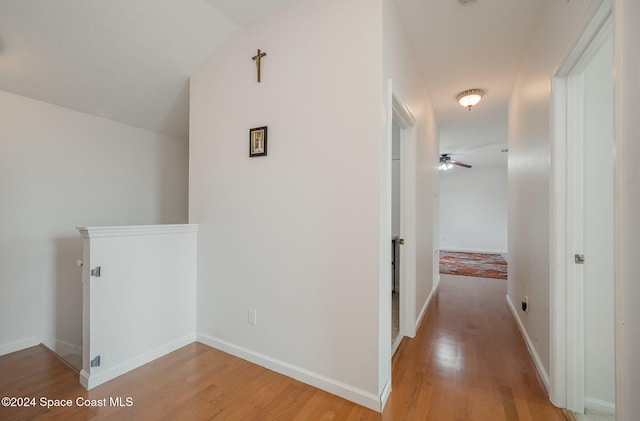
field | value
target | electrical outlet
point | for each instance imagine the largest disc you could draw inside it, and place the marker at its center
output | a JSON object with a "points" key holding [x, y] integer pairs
{"points": [[252, 316]]}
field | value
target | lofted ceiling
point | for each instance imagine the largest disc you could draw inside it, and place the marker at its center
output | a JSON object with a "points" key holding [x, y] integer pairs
{"points": [[125, 60], [130, 61]]}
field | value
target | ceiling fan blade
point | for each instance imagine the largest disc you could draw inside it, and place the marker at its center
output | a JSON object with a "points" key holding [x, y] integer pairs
{"points": [[460, 164]]}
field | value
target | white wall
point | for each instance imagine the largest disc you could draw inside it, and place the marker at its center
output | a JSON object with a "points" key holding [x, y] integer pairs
{"points": [[60, 169], [599, 358], [528, 167], [627, 94], [293, 235], [399, 65], [473, 209], [410, 103], [143, 304]]}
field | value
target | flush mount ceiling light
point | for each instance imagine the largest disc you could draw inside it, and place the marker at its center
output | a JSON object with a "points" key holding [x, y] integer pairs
{"points": [[470, 97]]}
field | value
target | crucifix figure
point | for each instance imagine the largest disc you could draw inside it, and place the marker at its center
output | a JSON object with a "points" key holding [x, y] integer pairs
{"points": [[257, 58]]}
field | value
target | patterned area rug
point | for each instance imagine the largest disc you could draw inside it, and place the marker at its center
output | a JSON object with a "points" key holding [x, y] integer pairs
{"points": [[483, 265]]}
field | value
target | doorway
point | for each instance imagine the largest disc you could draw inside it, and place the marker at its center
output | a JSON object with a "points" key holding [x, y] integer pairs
{"points": [[396, 236], [582, 295], [396, 112]]}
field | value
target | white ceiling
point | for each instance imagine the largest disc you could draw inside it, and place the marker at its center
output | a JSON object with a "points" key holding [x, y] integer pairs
{"points": [[244, 11], [126, 60], [130, 60], [459, 46]]}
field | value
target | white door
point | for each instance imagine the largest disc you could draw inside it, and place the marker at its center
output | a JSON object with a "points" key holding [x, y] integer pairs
{"points": [[598, 202], [582, 254]]}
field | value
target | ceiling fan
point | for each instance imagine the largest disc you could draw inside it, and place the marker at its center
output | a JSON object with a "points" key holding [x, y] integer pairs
{"points": [[446, 163]]}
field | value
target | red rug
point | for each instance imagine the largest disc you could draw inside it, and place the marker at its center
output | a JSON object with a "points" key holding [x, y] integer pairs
{"points": [[483, 265]]}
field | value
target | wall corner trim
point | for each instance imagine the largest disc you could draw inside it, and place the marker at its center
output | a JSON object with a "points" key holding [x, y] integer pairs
{"points": [[333, 386], [532, 350]]}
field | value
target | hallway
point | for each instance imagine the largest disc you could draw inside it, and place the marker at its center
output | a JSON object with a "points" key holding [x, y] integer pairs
{"points": [[468, 361]]}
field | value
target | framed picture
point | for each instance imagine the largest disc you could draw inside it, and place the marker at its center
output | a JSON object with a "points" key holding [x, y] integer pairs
{"points": [[258, 141]]}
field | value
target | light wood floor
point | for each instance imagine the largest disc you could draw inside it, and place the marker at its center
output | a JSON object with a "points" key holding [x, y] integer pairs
{"points": [[468, 362]]}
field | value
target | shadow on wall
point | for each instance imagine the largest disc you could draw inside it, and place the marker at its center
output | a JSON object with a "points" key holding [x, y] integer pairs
{"points": [[68, 299], [173, 170]]}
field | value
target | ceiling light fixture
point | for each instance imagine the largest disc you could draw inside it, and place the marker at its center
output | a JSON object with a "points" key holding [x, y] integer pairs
{"points": [[445, 163], [470, 97]]}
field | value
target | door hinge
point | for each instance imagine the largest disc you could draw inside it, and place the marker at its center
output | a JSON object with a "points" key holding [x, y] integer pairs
{"points": [[579, 259], [96, 272], [96, 361]]}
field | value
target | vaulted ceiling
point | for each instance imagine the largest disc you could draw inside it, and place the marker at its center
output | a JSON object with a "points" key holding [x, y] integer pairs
{"points": [[130, 61], [125, 60]]}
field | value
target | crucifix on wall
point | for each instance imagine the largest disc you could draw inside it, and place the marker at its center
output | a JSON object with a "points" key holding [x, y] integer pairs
{"points": [[257, 59]]}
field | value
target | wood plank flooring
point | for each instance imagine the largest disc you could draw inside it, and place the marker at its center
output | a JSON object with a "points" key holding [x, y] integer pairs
{"points": [[468, 362]]}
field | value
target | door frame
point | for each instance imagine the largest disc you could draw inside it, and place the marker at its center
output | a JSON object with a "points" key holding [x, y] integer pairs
{"points": [[566, 385], [408, 191], [396, 109]]}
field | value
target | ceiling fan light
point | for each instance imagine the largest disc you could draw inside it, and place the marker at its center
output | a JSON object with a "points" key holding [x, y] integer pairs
{"points": [[445, 163], [470, 97]]}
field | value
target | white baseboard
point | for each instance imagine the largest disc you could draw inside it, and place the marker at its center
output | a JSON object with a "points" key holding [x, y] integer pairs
{"points": [[103, 374], [333, 386], [384, 395], [19, 345], [434, 291], [64, 348], [532, 350], [396, 344], [467, 250], [598, 406], [61, 348]]}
